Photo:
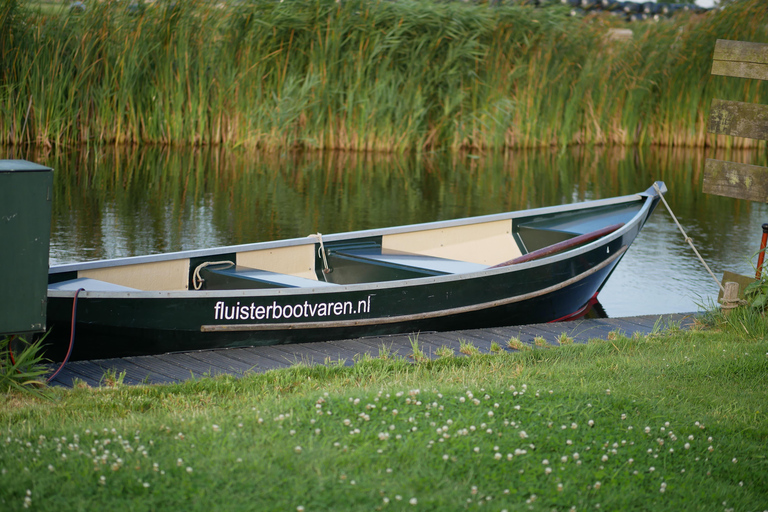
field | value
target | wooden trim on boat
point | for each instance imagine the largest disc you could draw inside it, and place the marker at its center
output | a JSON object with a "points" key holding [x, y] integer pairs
{"points": [[486, 243], [417, 316], [153, 275], [296, 260]]}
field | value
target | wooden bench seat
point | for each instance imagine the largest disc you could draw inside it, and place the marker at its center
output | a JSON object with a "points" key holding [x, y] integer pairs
{"points": [[89, 285], [237, 278], [429, 265]]}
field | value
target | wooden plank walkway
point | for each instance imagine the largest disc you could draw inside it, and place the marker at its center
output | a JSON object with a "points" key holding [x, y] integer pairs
{"points": [[178, 367]]}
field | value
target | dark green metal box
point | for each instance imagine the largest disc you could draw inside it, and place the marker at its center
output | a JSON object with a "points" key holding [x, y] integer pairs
{"points": [[26, 191]]}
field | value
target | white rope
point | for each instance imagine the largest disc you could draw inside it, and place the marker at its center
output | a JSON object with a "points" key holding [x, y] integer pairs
{"points": [[326, 268], [688, 239], [197, 281]]}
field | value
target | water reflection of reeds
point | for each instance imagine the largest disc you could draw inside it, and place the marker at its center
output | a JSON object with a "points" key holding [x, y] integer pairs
{"points": [[116, 202]]}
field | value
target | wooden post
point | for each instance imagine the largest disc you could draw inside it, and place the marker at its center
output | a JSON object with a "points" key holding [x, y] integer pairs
{"points": [[730, 298]]}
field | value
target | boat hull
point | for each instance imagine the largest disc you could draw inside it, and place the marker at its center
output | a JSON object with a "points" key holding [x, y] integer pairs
{"points": [[115, 324], [141, 326]]}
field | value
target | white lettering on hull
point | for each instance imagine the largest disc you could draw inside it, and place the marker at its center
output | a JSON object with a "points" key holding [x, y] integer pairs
{"points": [[275, 311]]}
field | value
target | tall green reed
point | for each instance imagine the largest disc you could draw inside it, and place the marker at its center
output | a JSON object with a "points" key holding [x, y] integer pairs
{"points": [[364, 76]]}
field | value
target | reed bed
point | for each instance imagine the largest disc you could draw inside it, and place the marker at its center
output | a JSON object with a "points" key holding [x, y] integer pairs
{"points": [[362, 75]]}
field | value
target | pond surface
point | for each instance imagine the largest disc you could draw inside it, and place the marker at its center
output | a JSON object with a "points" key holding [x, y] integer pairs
{"points": [[111, 203]]}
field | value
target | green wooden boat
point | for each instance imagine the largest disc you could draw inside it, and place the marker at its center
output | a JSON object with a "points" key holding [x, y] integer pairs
{"points": [[512, 268]]}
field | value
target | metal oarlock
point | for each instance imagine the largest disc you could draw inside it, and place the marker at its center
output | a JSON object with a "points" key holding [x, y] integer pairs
{"points": [[761, 256]]}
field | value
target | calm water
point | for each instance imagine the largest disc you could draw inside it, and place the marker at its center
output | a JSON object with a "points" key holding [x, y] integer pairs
{"points": [[110, 203]]}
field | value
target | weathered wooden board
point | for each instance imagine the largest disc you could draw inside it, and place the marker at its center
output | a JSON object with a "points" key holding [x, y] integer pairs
{"points": [[740, 59], [738, 119], [731, 179]]}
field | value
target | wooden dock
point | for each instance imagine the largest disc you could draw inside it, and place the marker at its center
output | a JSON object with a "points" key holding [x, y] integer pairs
{"points": [[178, 367]]}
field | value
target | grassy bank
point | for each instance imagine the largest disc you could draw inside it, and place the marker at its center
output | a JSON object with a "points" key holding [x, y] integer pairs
{"points": [[361, 75], [667, 422]]}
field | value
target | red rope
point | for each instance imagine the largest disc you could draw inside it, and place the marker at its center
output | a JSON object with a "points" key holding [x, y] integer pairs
{"points": [[10, 349], [71, 336]]}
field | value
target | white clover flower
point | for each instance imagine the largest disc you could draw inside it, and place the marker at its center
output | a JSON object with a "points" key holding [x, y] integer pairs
{"points": [[497, 456], [189, 469], [523, 434], [413, 501], [591, 423]]}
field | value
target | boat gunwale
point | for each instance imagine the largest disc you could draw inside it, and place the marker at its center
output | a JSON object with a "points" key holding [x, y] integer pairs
{"points": [[333, 237], [370, 286]]}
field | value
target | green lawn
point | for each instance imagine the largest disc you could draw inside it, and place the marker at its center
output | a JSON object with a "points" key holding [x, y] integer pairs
{"points": [[675, 421]]}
